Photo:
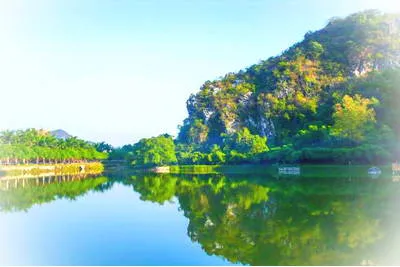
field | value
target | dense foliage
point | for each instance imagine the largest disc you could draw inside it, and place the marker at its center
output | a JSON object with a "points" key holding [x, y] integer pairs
{"points": [[154, 151], [236, 147], [39, 146], [329, 97]]}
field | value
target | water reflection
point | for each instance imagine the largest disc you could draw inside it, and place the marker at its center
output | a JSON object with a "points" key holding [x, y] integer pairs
{"points": [[260, 222], [256, 220], [21, 193]]}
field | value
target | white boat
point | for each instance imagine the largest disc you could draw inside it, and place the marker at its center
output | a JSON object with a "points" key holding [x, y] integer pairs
{"points": [[289, 170], [374, 171]]}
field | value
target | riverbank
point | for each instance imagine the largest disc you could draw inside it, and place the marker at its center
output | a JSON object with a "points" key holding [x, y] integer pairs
{"points": [[53, 169], [275, 170]]}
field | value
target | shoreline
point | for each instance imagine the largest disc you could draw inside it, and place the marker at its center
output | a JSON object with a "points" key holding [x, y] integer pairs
{"points": [[279, 170], [39, 169]]}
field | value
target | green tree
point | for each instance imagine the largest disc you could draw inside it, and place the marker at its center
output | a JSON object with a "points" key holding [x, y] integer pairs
{"points": [[103, 147], [244, 142], [354, 117], [155, 151], [34, 146], [216, 156]]}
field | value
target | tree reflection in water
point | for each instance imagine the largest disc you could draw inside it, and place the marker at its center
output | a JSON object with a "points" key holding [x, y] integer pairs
{"points": [[253, 220], [259, 220], [28, 192]]}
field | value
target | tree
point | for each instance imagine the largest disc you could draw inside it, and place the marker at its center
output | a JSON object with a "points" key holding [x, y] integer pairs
{"points": [[103, 147], [246, 143], [36, 146], [121, 153], [155, 151], [216, 156], [354, 117]]}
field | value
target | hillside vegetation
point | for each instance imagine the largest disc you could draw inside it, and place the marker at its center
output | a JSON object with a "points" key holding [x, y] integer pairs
{"points": [[333, 97]]}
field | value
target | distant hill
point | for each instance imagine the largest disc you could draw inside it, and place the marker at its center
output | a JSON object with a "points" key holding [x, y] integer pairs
{"points": [[60, 134]]}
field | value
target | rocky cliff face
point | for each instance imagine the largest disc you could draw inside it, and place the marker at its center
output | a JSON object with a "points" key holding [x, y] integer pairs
{"points": [[282, 95]]}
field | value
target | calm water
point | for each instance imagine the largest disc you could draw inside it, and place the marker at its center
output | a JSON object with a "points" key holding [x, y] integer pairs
{"points": [[251, 219]]}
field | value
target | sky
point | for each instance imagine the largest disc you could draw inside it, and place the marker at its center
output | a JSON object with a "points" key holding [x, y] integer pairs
{"points": [[121, 70]]}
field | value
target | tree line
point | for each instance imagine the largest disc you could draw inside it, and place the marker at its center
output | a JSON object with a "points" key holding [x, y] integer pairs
{"points": [[39, 146]]}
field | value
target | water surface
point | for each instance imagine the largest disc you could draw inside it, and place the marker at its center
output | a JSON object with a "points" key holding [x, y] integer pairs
{"points": [[251, 219]]}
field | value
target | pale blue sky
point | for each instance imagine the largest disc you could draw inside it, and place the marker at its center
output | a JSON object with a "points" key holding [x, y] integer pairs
{"points": [[122, 70]]}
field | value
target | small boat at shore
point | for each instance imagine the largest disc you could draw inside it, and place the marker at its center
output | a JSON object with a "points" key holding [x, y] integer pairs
{"points": [[289, 170], [374, 171]]}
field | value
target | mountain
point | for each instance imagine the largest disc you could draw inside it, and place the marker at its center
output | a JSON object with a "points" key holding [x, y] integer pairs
{"points": [[310, 89], [60, 134]]}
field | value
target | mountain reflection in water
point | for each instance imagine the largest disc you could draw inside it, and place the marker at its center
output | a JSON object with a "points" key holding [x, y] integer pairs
{"points": [[252, 219]]}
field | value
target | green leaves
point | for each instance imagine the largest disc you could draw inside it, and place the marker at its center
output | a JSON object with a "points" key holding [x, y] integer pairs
{"points": [[39, 145], [245, 143], [354, 118], [155, 151]]}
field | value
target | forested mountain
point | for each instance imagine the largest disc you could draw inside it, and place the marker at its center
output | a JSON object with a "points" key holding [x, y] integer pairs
{"points": [[337, 88]]}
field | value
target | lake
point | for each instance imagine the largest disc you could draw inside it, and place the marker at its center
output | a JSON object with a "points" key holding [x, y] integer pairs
{"points": [[321, 216]]}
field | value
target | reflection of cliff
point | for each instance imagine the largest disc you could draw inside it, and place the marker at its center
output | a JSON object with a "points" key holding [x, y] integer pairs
{"points": [[22, 194], [280, 223]]}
